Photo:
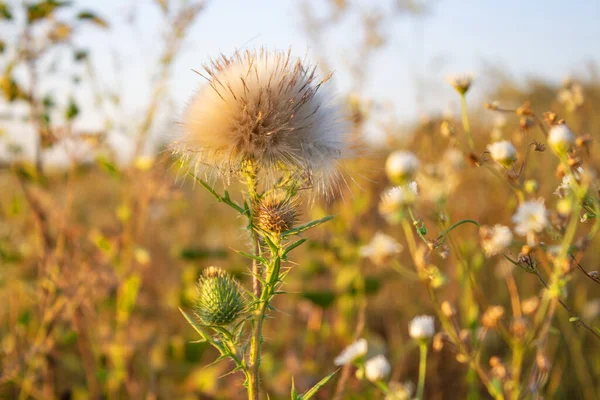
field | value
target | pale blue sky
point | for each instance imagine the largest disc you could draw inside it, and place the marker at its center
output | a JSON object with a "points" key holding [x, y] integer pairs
{"points": [[546, 38], [549, 38]]}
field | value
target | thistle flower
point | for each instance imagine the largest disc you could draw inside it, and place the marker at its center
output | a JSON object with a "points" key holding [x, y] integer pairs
{"points": [[377, 368], [421, 327], [461, 83], [495, 239], [276, 212], [503, 152], [560, 138], [381, 248], [267, 108], [395, 199], [219, 300], [352, 353], [401, 166], [530, 218]]}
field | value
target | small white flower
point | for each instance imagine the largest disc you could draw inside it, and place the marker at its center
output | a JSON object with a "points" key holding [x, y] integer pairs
{"points": [[400, 391], [421, 327], [531, 217], [396, 198], [401, 166], [560, 138], [495, 239], [461, 83], [503, 152], [377, 368], [381, 248], [351, 353], [568, 182]]}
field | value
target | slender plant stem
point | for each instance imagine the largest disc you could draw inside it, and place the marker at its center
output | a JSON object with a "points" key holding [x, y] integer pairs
{"points": [[465, 121], [422, 369]]}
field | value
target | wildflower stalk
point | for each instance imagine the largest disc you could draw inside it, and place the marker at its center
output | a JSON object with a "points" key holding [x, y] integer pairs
{"points": [[423, 345], [465, 120]]}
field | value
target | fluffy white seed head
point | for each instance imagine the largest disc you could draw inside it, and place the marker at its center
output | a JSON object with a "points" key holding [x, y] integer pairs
{"points": [[267, 107], [531, 217], [377, 368], [381, 248], [421, 327], [396, 199], [495, 239], [560, 138], [503, 152], [351, 353], [401, 166]]}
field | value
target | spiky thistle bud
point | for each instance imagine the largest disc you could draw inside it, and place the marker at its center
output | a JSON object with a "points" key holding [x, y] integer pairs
{"points": [[276, 212], [220, 299]]}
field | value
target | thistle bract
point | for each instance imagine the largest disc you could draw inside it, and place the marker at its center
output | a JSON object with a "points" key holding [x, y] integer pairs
{"points": [[220, 300], [276, 212]]}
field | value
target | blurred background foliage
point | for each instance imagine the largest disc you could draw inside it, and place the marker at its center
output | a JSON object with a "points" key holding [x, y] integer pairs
{"points": [[96, 255]]}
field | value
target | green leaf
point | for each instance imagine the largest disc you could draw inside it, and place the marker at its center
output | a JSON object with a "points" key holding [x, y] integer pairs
{"points": [[108, 166], [5, 12], [72, 110], [311, 392], [293, 246], [306, 226], [93, 18], [293, 394], [127, 296], [203, 334], [44, 9]]}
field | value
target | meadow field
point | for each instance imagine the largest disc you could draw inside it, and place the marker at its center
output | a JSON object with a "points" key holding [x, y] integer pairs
{"points": [[258, 242]]}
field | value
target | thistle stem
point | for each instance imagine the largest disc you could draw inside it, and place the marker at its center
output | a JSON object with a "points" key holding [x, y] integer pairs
{"points": [[422, 369]]}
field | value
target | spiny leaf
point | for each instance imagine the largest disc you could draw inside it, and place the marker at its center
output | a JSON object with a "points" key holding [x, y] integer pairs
{"points": [[311, 392], [293, 246], [196, 327], [306, 226]]}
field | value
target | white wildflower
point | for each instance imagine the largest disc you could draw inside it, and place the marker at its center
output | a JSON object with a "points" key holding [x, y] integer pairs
{"points": [[503, 152], [560, 138], [530, 218], [377, 368], [395, 199], [401, 166], [421, 327], [400, 391], [381, 248], [267, 108], [495, 239], [352, 353], [461, 83], [569, 182]]}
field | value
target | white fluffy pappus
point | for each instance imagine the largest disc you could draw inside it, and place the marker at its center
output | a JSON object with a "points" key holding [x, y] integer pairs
{"points": [[421, 327], [264, 106]]}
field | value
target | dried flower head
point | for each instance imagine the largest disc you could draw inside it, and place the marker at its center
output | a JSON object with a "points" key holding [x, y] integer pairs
{"points": [[381, 248], [265, 107], [492, 316], [276, 212], [462, 83], [421, 327], [220, 299], [495, 239], [561, 138], [401, 167], [503, 152], [377, 368], [352, 353]]}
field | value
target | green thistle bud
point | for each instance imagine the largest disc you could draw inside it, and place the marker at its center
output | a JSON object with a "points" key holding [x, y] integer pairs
{"points": [[220, 299], [276, 212]]}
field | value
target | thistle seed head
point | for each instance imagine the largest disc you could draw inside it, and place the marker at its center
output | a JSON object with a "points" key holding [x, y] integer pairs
{"points": [[267, 107], [220, 299], [276, 212]]}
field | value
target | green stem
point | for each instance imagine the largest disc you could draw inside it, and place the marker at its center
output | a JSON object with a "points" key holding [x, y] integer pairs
{"points": [[465, 121], [422, 369]]}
